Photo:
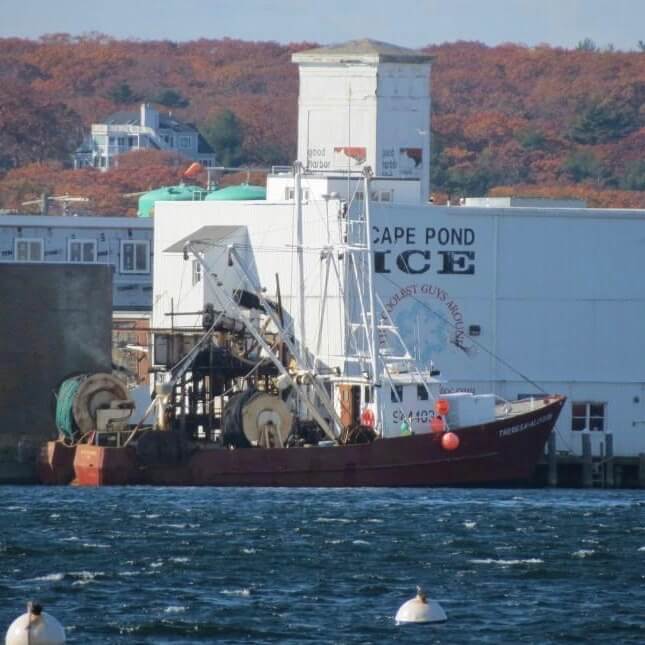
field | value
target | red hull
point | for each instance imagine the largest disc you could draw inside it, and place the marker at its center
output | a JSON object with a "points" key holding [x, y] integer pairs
{"points": [[56, 463], [497, 452]]}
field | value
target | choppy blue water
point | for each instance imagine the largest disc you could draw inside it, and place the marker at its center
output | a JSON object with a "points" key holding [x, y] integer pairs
{"points": [[135, 565]]}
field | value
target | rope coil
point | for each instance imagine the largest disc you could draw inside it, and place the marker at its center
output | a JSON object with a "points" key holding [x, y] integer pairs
{"points": [[65, 421]]}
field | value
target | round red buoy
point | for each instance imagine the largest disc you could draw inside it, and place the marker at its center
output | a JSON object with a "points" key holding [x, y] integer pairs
{"points": [[367, 418], [442, 407], [450, 441], [437, 425]]}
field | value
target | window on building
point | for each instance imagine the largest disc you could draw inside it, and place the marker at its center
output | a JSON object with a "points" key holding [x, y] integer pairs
{"points": [[396, 394], [29, 250], [290, 194], [81, 251], [587, 415], [386, 196], [132, 142], [374, 196], [197, 272], [112, 140], [359, 195], [367, 394], [121, 141], [185, 142], [422, 393], [135, 256]]}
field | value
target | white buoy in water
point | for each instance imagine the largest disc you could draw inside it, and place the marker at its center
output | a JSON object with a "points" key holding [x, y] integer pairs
{"points": [[420, 610], [36, 627]]}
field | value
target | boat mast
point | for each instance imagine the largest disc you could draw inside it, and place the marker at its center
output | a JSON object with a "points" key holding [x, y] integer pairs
{"points": [[371, 315], [379, 359], [297, 172]]}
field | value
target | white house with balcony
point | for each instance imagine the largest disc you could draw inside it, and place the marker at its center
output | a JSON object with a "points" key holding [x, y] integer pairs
{"points": [[147, 129]]}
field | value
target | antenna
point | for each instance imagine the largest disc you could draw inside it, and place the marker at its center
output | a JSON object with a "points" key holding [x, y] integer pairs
{"points": [[297, 169], [349, 134], [44, 200]]}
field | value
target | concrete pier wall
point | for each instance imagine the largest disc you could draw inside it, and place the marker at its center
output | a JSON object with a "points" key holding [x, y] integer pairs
{"points": [[55, 321]]}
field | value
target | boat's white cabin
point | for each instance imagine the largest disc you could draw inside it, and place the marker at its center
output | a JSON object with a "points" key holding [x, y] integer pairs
{"points": [[407, 398]]}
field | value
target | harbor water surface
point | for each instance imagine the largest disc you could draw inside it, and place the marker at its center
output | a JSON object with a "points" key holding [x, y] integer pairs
{"points": [[164, 565]]}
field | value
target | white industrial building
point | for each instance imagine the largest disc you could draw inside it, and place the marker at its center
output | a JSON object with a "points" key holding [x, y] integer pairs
{"points": [[490, 293]]}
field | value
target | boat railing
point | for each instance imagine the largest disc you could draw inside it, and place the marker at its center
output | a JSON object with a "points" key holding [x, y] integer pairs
{"points": [[514, 408], [505, 404]]}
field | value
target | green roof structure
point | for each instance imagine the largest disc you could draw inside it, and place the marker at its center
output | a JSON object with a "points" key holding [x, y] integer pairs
{"points": [[242, 192], [179, 193]]}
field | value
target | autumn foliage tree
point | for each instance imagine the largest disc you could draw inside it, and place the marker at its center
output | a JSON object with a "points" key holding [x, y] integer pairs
{"points": [[506, 116], [34, 126], [113, 192]]}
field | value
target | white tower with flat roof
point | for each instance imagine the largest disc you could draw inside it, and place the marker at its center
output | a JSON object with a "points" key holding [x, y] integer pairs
{"points": [[365, 103]]}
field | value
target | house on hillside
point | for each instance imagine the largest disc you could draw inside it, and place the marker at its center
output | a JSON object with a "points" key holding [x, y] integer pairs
{"points": [[147, 129]]}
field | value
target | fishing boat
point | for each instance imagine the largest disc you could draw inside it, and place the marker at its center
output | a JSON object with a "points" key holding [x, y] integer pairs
{"points": [[252, 404]]}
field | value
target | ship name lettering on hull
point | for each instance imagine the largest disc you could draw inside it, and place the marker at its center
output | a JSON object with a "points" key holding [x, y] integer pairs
{"points": [[505, 432]]}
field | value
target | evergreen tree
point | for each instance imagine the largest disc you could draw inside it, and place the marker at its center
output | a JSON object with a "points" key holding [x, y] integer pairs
{"points": [[587, 45], [172, 99], [122, 93], [226, 135], [603, 121]]}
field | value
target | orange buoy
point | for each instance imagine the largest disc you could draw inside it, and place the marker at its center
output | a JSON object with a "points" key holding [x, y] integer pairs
{"points": [[193, 170], [437, 425], [442, 407], [367, 418], [450, 441]]}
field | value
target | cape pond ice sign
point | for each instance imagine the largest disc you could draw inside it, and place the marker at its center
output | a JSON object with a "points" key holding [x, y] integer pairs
{"points": [[420, 273]]}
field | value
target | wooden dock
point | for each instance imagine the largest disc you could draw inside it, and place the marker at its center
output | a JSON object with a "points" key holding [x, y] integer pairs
{"points": [[561, 469]]}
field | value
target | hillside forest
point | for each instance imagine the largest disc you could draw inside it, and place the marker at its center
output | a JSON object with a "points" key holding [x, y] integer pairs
{"points": [[506, 120]]}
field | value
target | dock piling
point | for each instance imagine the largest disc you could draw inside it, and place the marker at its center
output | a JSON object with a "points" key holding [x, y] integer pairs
{"points": [[552, 474], [587, 465], [609, 461]]}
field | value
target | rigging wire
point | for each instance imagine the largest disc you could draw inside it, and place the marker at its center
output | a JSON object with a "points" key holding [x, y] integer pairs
{"points": [[498, 358], [474, 341]]}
